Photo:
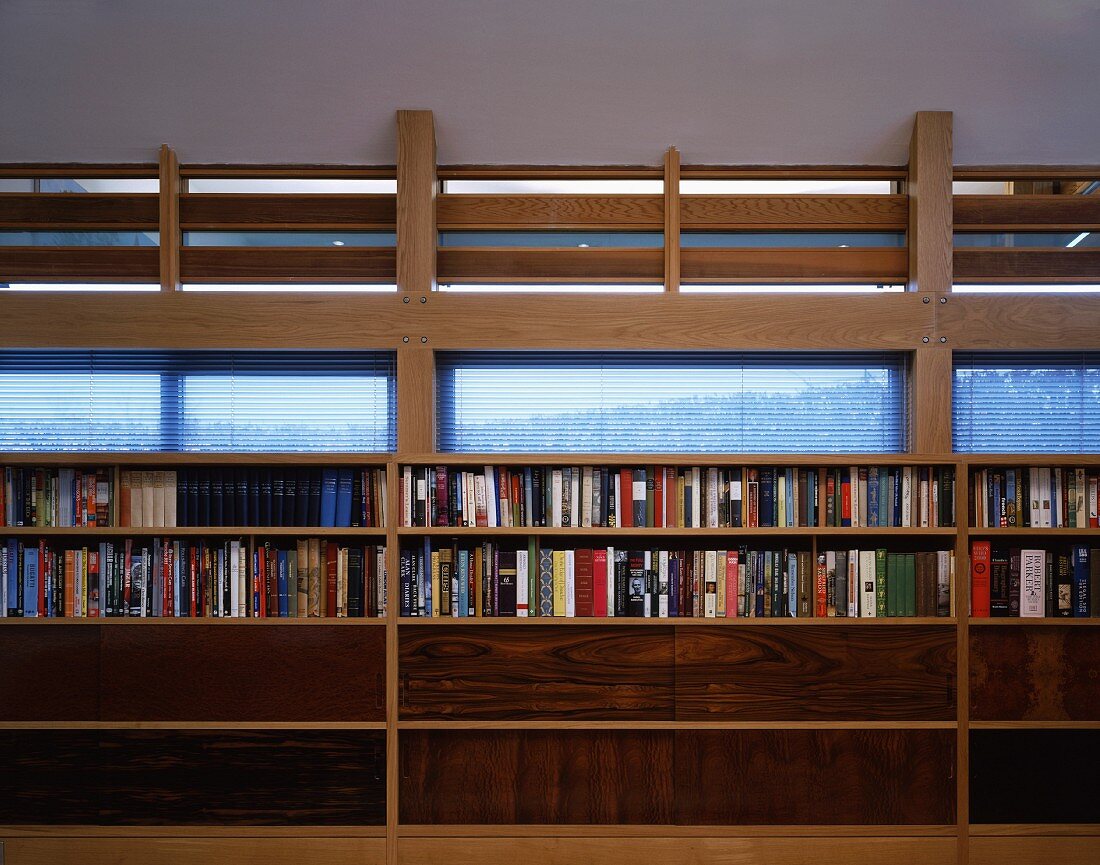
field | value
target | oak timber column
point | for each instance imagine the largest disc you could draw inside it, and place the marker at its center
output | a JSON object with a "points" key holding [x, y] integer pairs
{"points": [[169, 222], [930, 274]]}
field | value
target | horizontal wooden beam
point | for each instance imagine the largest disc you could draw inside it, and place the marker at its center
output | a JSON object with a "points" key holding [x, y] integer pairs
{"points": [[875, 265], [344, 172], [1037, 321], [78, 264], [227, 212], [1027, 172], [549, 172], [79, 212], [79, 169], [793, 172], [288, 264], [1027, 265], [1027, 212], [503, 212], [796, 212], [525, 265]]}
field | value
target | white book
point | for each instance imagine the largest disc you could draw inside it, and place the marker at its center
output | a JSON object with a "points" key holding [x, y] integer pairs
{"points": [[696, 497], [1079, 484], [867, 583], [712, 498], [735, 496], [470, 499], [611, 582], [169, 499], [907, 497], [234, 578], [575, 495], [570, 585], [136, 505], [521, 584], [555, 497], [1044, 498], [647, 595], [710, 584], [637, 494], [1036, 510], [1058, 519], [480, 506], [1032, 583], [780, 498], [853, 478], [406, 496], [923, 502], [853, 584], [492, 502], [662, 584], [586, 497]]}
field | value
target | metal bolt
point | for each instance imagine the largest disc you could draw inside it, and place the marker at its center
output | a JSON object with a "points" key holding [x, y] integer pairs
{"points": [[943, 339], [423, 339], [943, 300], [405, 299], [423, 300], [925, 339], [926, 300], [406, 339]]}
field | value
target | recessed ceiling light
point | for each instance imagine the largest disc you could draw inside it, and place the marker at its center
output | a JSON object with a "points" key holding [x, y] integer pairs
{"points": [[337, 243], [582, 246]]}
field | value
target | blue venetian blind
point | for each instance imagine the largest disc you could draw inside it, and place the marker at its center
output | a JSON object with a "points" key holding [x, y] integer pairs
{"points": [[197, 400], [672, 402], [1020, 402]]}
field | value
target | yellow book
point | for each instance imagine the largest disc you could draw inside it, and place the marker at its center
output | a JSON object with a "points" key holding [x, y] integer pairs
{"points": [[559, 582], [720, 576], [436, 584], [301, 577]]}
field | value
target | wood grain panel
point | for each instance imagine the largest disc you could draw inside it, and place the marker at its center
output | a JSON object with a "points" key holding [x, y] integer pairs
{"points": [[306, 212], [288, 264], [1023, 212], [815, 776], [519, 264], [1035, 776], [169, 777], [536, 776], [171, 238], [1035, 851], [503, 212], [49, 674], [1020, 321], [62, 210], [1035, 674], [226, 672], [974, 264], [796, 212], [929, 188], [416, 201], [931, 382], [76, 263], [677, 851], [195, 851], [536, 673], [704, 264], [815, 673]]}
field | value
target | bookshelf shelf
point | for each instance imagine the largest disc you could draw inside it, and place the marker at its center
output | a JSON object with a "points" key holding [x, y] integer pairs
{"points": [[173, 621], [677, 460], [1035, 725], [192, 725], [976, 532], [687, 621], [191, 531], [169, 458], [612, 830], [558, 723], [1019, 622], [799, 531]]}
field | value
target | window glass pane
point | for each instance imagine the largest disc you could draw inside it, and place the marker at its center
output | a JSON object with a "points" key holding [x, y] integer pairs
{"points": [[1016, 402], [197, 401], [289, 238], [79, 286], [99, 184], [293, 185], [293, 287], [790, 289], [555, 187], [785, 187], [981, 187], [554, 289], [555, 239], [16, 184], [79, 238], [684, 402], [792, 239], [1016, 239]]}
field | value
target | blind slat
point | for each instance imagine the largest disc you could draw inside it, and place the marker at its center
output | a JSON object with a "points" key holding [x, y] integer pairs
{"points": [[672, 402], [1042, 402], [197, 400]]}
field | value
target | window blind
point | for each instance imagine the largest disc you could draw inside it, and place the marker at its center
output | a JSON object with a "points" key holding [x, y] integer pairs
{"points": [[672, 402], [1021, 402], [197, 400]]}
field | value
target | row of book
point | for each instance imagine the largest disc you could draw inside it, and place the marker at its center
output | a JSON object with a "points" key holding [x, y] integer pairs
{"points": [[661, 496], [1009, 582], [56, 497], [253, 496], [1034, 497], [191, 578], [485, 579]]}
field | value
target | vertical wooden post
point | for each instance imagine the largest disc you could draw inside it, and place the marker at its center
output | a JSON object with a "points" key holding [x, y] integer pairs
{"points": [[416, 191], [415, 400], [169, 226], [672, 219], [930, 274]]}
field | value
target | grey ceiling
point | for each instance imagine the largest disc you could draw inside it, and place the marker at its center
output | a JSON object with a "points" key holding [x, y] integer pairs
{"points": [[556, 81]]}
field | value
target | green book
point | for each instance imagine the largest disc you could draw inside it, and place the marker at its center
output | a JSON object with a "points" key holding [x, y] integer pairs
{"points": [[880, 583], [892, 584], [532, 577], [910, 608]]}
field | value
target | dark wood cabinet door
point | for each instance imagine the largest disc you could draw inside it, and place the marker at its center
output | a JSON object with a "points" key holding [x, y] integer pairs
{"points": [[1034, 673], [184, 778], [49, 672], [536, 776], [536, 672], [826, 672], [739, 777], [243, 672]]}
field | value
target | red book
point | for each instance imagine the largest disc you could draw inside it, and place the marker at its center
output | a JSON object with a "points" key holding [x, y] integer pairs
{"points": [[584, 594], [330, 579], [732, 595], [820, 594], [599, 581], [195, 578], [846, 502], [442, 504], [503, 505], [980, 558], [517, 501], [625, 505], [658, 496], [166, 598]]}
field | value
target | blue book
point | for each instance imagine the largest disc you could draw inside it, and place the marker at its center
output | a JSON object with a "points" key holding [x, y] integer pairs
{"points": [[345, 482], [30, 581], [883, 498], [1010, 496], [284, 598], [872, 496], [424, 582], [463, 566], [788, 477], [14, 608], [767, 498], [1080, 595], [792, 584], [674, 587], [328, 497]]}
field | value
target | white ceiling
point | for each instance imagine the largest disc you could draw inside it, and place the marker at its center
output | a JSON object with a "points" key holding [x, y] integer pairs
{"points": [[555, 81]]}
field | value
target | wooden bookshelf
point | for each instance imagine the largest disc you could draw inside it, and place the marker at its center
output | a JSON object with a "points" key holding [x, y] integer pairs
{"points": [[609, 740]]}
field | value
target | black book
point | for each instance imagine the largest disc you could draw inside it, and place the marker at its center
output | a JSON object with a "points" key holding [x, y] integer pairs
{"points": [[254, 497], [290, 496], [243, 516], [266, 493], [538, 504], [1063, 597], [405, 582], [193, 516], [355, 582], [506, 599], [998, 584], [278, 484], [636, 585], [313, 506], [301, 501], [182, 498], [217, 509], [638, 494], [605, 483], [357, 509], [229, 498], [203, 498]]}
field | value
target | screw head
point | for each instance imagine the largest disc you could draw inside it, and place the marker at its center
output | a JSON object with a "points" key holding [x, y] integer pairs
{"points": [[925, 339], [423, 339], [423, 300], [406, 339], [926, 300], [943, 300], [406, 299], [943, 339]]}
